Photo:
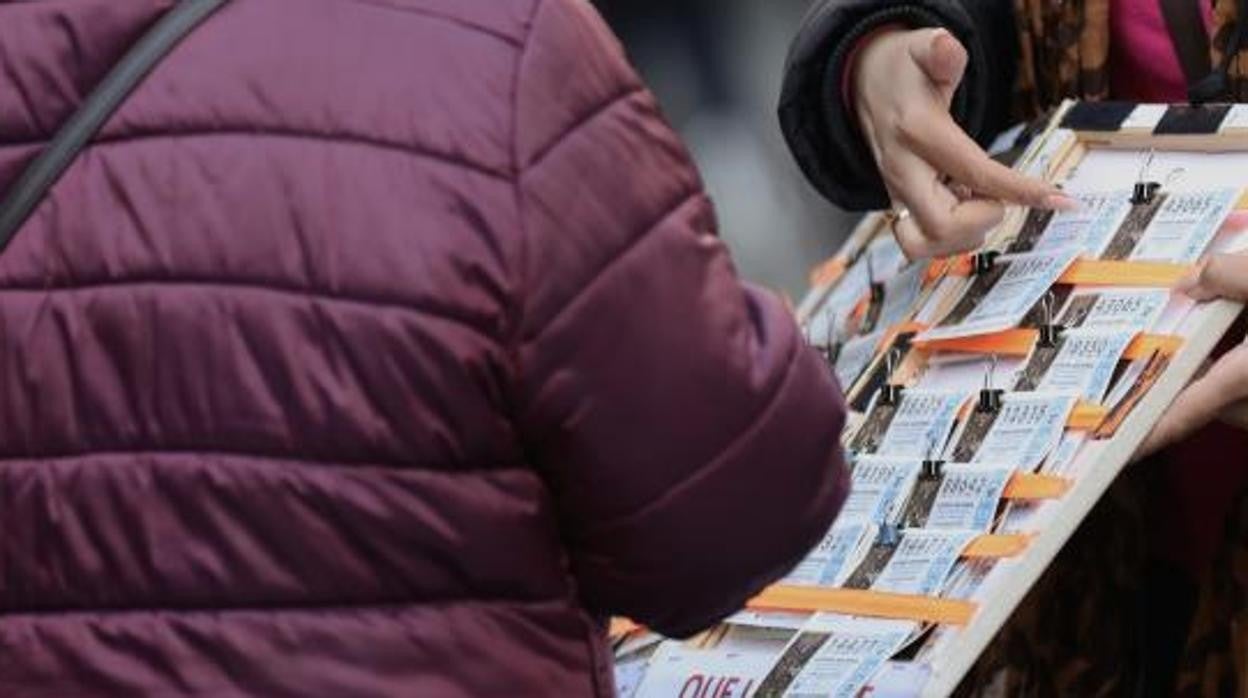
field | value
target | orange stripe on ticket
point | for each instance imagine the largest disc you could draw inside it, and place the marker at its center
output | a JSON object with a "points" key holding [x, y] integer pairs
{"points": [[996, 546], [1087, 416], [1019, 343], [896, 331], [861, 602], [959, 265], [1016, 342], [1032, 486], [621, 626], [829, 272], [860, 308], [962, 265], [1093, 272], [1146, 345], [877, 604]]}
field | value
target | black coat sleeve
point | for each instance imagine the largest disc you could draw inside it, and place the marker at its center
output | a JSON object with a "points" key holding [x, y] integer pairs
{"points": [[821, 129]]}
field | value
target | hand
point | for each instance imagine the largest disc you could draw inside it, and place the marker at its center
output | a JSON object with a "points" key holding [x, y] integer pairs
{"points": [[903, 83], [1222, 392]]}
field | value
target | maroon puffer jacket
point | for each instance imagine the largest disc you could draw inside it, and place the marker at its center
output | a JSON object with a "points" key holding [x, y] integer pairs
{"points": [[377, 348]]}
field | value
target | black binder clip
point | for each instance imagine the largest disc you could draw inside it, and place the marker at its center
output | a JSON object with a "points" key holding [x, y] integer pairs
{"points": [[1051, 335], [1144, 191], [989, 397], [989, 401], [983, 262], [1050, 332], [890, 393], [889, 535], [877, 287], [933, 467]]}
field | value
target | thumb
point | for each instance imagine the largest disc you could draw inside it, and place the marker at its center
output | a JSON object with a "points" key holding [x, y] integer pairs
{"points": [[1202, 401], [1219, 276], [940, 56]]}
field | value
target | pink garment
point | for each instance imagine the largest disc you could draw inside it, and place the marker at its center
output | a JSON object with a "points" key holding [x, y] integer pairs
{"points": [[1144, 65]]}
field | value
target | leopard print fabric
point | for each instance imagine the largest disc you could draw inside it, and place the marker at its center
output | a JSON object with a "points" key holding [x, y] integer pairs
{"points": [[1064, 52], [1215, 663]]}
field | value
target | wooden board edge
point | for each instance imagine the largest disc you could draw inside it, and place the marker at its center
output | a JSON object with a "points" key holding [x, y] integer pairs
{"points": [[998, 607]]}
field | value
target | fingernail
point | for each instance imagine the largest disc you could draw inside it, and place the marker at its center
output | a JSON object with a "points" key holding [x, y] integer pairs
{"points": [[1062, 202]]}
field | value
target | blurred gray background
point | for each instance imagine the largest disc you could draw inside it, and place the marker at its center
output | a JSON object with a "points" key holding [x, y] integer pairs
{"points": [[716, 66]]}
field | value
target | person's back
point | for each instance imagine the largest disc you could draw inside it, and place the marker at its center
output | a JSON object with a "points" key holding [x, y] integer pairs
{"points": [[377, 348]]}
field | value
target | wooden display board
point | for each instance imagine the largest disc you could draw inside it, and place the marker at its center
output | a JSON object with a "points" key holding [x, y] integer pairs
{"points": [[1053, 156], [1086, 147]]}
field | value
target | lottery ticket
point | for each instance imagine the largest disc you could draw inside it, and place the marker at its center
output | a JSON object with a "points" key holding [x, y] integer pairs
{"points": [[1026, 279], [834, 657]]}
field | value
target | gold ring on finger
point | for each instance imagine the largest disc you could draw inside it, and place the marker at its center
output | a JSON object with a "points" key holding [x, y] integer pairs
{"points": [[896, 217]]}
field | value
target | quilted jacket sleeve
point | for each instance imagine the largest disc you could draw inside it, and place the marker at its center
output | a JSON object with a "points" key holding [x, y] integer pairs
{"points": [[821, 129], [689, 438]]}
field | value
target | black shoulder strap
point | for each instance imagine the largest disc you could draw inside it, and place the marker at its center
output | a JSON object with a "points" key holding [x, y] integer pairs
{"points": [[51, 163]]}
